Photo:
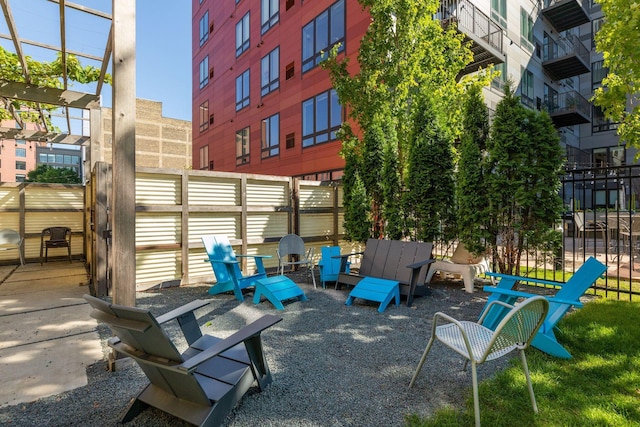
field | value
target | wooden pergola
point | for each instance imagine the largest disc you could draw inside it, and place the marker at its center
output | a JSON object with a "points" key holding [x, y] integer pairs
{"points": [[120, 49]]}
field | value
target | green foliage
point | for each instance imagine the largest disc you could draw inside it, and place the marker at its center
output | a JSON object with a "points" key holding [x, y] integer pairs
{"points": [[598, 386], [471, 193], [356, 203], [41, 74], [617, 39], [523, 179], [405, 56], [46, 173], [430, 185]]}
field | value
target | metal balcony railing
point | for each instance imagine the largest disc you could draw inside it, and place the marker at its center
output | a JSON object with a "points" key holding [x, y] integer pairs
{"points": [[471, 21]]}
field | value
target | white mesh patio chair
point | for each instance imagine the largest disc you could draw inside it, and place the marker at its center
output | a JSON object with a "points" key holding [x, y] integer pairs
{"points": [[291, 252], [478, 344]]}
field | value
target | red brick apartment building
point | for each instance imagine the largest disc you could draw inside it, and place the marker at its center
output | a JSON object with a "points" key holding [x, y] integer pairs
{"points": [[261, 103]]}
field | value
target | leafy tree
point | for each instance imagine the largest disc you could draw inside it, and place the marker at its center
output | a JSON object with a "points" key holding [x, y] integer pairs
{"points": [[618, 39], [404, 56], [46, 173], [42, 74], [523, 178], [430, 176], [356, 203], [471, 194]]}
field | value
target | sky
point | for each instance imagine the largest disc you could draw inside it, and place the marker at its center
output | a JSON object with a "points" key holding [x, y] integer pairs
{"points": [[163, 45]]}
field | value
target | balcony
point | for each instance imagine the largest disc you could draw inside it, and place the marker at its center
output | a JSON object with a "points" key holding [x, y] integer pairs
{"points": [[565, 58], [485, 35], [565, 14], [568, 109]]}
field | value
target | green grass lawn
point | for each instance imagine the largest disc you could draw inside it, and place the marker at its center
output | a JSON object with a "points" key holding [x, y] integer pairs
{"points": [[599, 386]]}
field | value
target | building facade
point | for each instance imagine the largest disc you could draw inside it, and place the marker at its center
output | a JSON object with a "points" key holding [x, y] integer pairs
{"points": [[17, 156], [262, 104]]}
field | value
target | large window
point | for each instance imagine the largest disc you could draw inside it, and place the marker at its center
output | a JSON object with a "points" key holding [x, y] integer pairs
{"points": [[270, 134], [204, 116], [526, 88], [526, 29], [500, 81], [269, 14], [21, 166], [600, 123], [242, 147], [321, 118], [596, 24], [204, 72], [242, 35], [21, 152], [204, 157], [321, 34], [550, 98], [242, 91], [598, 72], [499, 11], [269, 72], [204, 28]]}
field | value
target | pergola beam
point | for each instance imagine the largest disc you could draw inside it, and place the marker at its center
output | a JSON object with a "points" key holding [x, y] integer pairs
{"points": [[43, 136], [48, 95], [54, 48]]}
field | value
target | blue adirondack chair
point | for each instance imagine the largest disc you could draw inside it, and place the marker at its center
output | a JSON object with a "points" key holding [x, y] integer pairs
{"points": [[568, 296], [329, 264], [226, 267]]}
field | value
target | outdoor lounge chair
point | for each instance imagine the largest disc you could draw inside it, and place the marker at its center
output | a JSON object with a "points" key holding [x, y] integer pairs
{"points": [[226, 267], [329, 264], [463, 263], [567, 297], [201, 385], [478, 344]]}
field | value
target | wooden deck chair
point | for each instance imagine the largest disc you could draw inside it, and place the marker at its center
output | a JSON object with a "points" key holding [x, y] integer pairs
{"points": [[226, 267], [201, 385], [329, 264], [568, 296]]}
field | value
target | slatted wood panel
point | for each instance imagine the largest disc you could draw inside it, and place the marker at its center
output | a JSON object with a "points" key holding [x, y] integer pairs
{"points": [[158, 189]]}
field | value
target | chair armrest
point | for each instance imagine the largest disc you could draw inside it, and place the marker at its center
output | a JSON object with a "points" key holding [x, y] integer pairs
{"points": [[348, 255], [247, 332], [254, 256], [523, 279], [421, 263], [192, 306], [456, 322], [222, 261]]}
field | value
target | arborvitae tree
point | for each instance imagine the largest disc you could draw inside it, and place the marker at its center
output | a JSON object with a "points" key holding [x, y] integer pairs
{"points": [[357, 223], [392, 189], [371, 173], [430, 185], [523, 202], [471, 194]]}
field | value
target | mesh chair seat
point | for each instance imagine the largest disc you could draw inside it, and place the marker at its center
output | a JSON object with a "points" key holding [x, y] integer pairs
{"points": [[479, 338]]}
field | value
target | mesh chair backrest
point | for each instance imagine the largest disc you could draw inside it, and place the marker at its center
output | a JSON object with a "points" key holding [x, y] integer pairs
{"points": [[58, 233], [8, 236], [291, 244], [520, 325]]}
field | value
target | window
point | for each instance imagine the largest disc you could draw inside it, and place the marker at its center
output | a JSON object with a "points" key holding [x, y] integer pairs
{"points": [[20, 177], [204, 116], [204, 28], [609, 156], [290, 140], [242, 147], [21, 152], [499, 12], [242, 35], [321, 34], [22, 166], [204, 157], [242, 91], [290, 71], [598, 72], [321, 118], [204, 72], [526, 88], [526, 29], [42, 158], [600, 123], [269, 14], [596, 24], [270, 74], [270, 133], [500, 81], [550, 98]]}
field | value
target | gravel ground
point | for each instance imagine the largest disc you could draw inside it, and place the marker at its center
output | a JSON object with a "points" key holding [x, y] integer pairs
{"points": [[332, 365]]}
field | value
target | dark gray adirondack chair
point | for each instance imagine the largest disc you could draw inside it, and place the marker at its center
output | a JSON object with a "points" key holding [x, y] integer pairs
{"points": [[200, 386]]}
